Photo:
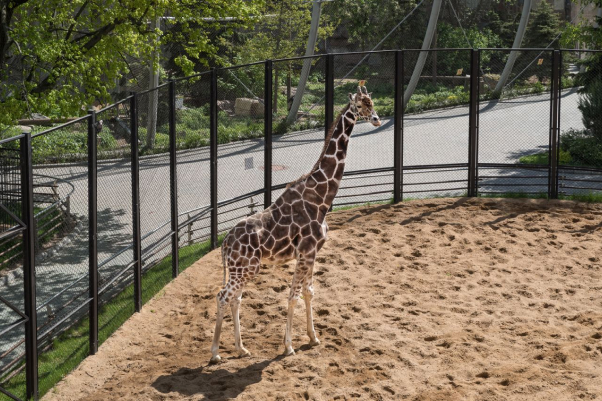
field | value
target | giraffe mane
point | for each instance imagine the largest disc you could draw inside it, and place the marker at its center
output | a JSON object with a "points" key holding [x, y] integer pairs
{"points": [[324, 148]]}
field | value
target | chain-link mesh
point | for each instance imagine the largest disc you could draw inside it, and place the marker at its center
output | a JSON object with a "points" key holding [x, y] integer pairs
{"points": [[436, 122], [62, 264], [580, 147], [114, 218], [193, 164], [240, 137], [155, 194], [514, 122], [12, 339]]}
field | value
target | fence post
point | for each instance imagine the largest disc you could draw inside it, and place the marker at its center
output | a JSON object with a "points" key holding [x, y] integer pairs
{"points": [[136, 233], [92, 232], [173, 179], [213, 155], [29, 274], [267, 120], [398, 127], [473, 112], [329, 93], [554, 128]]}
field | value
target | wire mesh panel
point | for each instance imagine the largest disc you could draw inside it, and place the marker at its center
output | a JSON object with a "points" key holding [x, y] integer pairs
{"points": [[297, 139], [514, 120], [193, 161], [436, 122], [369, 147], [240, 133], [61, 202], [155, 218], [580, 146], [114, 217], [12, 328]]}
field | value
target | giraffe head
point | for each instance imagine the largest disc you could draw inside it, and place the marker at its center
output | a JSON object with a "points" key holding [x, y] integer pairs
{"points": [[361, 104]]}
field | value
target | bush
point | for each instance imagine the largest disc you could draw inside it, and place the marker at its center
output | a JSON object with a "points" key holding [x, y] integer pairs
{"points": [[590, 104], [584, 148]]}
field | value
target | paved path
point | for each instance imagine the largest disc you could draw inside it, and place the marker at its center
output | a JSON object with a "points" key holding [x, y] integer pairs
{"points": [[508, 130]]}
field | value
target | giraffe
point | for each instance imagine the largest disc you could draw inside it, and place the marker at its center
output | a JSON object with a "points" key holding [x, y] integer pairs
{"points": [[293, 227]]}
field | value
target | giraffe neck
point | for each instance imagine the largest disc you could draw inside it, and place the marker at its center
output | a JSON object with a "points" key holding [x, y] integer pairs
{"points": [[332, 163]]}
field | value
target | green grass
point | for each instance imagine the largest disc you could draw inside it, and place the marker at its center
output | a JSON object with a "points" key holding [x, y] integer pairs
{"points": [[543, 158], [71, 347]]}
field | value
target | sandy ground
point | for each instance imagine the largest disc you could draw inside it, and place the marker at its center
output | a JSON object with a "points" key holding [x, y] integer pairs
{"points": [[450, 299]]}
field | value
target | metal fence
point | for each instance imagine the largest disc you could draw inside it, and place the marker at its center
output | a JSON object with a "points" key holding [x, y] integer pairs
{"points": [[180, 164]]}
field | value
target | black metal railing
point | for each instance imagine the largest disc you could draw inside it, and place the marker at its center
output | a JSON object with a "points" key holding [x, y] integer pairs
{"points": [[454, 135]]}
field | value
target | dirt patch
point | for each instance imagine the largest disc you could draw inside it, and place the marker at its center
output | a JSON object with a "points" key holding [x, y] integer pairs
{"points": [[446, 299]]}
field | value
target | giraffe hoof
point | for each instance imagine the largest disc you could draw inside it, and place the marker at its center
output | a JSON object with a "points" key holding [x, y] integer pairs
{"points": [[243, 352], [314, 342], [215, 359], [289, 351]]}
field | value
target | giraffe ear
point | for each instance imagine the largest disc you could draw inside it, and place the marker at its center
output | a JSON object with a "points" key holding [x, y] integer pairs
{"points": [[359, 90], [370, 95]]}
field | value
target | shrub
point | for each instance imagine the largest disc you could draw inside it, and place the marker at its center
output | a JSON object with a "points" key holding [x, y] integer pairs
{"points": [[584, 148], [590, 104]]}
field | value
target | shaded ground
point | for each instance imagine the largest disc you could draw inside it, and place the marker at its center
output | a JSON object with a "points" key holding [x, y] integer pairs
{"points": [[447, 299]]}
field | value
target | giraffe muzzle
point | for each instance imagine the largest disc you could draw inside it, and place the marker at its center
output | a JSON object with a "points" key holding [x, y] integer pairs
{"points": [[375, 120]]}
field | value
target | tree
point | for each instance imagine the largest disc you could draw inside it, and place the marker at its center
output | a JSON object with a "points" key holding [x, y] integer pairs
{"points": [[58, 58]]}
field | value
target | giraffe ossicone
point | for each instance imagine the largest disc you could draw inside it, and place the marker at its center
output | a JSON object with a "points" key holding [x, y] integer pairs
{"points": [[293, 227]]}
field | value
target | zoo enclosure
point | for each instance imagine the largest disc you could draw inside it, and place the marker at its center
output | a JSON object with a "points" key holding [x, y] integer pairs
{"points": [[139, 215]]}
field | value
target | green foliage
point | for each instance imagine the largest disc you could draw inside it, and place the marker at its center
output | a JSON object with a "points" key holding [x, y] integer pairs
{"points": [[542, 158], [66, 145], [61, 57], [590, 104], [585, 149]]}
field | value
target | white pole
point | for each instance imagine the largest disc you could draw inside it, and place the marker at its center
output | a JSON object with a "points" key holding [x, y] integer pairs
{"points": [[309, 51], [518, 40], [426, 44]]}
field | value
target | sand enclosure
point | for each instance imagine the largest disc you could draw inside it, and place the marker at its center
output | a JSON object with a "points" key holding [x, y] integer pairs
{"points": [[448, 299]]}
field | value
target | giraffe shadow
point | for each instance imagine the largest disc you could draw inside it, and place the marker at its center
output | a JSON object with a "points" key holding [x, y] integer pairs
{"points": [[217, 384]]}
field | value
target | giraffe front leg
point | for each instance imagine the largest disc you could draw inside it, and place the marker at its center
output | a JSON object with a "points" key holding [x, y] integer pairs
{"points": [[308, 294], [292, 301], [242, 351]]}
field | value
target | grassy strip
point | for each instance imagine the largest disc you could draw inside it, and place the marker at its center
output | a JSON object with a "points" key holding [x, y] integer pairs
{"points": [[71, 347]]}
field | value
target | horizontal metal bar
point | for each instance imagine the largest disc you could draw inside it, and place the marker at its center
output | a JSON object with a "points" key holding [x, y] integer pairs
{"points": [[239, 198], [13, 216], [436, 190], [115, 278], [117, 103], [434, 182], [578, 169], [11, 232], [13, 325], [436, 166], [157, 243], [144, 92], [534, 49], [511, 176], [63, 319], [587, 188], [505, 192], [12, 307], [515, 185], [157, 250], [580, 180], [9, 394], [229, 220], [61, 126], [11, 139], [360, 203], [514, 165], [198, 74], [368, 171], [232, 67]]}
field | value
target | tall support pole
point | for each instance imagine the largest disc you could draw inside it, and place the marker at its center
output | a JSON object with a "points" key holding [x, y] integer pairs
{"points": [[173, 180], [518, 40], [136, 232], [426, 44], [329, 93], [554, 126], [29, 273], [92, 233], [473, 111], [267, 130], [309, 51], [213, 156], [398, 127], [153, 95]]}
